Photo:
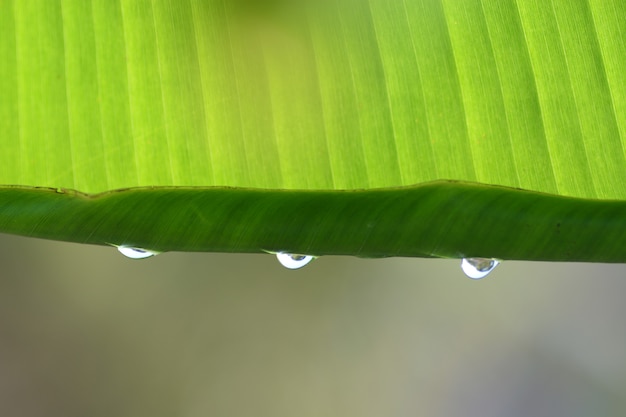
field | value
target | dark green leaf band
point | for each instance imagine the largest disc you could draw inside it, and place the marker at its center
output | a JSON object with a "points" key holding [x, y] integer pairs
{"points": [[437, 219]]}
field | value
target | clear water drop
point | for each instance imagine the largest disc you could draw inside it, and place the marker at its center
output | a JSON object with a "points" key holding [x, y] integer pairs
{"points": [[477, 268], [293, 261], [136, 253]]}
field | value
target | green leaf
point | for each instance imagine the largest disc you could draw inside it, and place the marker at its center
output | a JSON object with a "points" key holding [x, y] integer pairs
{"points": [[317, 95], [438, 219]]}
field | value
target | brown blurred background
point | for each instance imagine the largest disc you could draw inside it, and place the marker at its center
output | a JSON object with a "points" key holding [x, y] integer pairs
{"points": [[87, 332]]}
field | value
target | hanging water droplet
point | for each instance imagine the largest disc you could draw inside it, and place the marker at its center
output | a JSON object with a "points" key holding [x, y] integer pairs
{"points": [[477, 268], [293, 261], [136, 253]]}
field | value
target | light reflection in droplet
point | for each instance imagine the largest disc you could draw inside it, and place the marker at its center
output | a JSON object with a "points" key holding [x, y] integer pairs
{"points": [[477, 268], [135, 253], [293, 261]]}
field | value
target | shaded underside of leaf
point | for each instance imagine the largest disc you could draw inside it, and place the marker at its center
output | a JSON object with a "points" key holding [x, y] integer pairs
{"points": [[473, 220]]}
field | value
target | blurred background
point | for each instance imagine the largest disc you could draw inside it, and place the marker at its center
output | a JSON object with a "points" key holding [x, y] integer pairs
{"points": [[87, 332]]}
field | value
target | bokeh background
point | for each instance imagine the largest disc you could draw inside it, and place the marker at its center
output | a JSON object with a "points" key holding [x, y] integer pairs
{"points": [[87, 332]]}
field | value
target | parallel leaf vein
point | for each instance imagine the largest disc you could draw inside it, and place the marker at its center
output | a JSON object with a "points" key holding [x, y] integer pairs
{"points": [[571, 92], [463, 99], [356, 99], [541, 107], [67, 104], [386, 88], [202, 110], [130, 92], [429, 139], [501, 92], [318, 90], [170, 148]]}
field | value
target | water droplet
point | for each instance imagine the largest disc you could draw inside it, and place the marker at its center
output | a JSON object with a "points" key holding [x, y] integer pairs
{"points": [[136, 253], [477, 268], [293, 261]]}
